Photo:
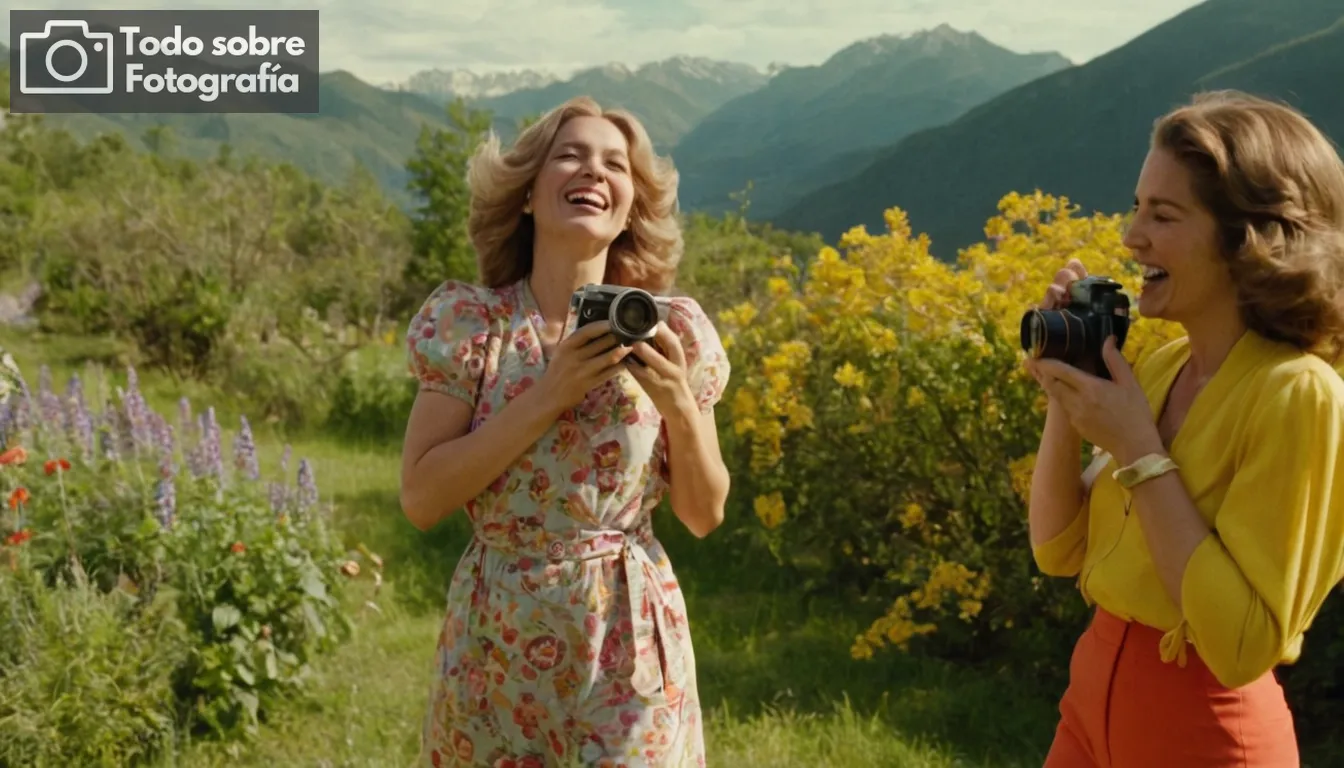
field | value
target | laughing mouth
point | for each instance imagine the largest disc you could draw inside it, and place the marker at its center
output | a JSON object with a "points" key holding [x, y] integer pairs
{"points": [[1154, 275], [588, 198]]}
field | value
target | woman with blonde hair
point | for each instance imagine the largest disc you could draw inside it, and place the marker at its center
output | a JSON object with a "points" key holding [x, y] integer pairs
{"points": [[565, 640], [1210, 529]]}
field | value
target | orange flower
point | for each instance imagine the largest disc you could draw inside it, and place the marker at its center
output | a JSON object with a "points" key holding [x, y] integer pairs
{"points": [[238, 548], [18, 537], [19, 496], [56, 465], [16, 455]]}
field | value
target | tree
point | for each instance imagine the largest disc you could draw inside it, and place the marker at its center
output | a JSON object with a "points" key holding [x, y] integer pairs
{"points": [[441, 249]]}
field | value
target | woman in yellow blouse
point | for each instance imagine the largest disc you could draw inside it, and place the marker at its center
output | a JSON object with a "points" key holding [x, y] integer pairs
{"points": [[1210, 527]]}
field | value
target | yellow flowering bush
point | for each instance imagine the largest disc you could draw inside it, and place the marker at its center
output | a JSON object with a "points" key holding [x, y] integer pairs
{"points": [[891, 426]]}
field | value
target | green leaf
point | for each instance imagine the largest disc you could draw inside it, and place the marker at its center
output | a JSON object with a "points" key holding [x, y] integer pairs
{"points": [[312, 583], [225, 616]]}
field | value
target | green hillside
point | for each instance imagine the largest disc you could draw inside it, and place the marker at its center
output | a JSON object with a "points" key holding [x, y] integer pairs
{"points": [[670, 97], [814, 125], [1083, 132], [359, 125]]}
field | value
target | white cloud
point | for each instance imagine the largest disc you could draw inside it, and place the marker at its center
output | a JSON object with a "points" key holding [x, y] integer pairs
{"points": [[383, 40]]}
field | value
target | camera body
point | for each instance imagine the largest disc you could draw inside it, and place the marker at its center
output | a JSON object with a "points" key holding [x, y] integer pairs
{"points": [[40, 74], [634, 313], [1098, 307]]}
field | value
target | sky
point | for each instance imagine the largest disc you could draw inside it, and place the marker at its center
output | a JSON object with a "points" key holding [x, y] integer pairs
{"points": [[389, 40]]}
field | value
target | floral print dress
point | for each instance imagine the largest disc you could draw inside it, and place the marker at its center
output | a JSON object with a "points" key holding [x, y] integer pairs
{"points": [[565, 641]]}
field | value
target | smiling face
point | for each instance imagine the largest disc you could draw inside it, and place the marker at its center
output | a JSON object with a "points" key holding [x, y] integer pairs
{"points": [[1175, 238], [584, 189]]}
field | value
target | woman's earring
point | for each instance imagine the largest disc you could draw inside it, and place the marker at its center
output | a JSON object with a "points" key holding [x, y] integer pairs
{"points": [[527, 205]]}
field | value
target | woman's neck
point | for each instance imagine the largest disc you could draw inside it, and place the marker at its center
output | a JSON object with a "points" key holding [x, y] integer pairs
{"points": [[1212, 338], [559, 269]]}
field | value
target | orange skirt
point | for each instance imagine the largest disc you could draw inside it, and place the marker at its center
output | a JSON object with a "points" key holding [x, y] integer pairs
{"points": [[1126, 708]]}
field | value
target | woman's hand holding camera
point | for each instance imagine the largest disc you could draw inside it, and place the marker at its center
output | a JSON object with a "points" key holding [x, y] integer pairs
{"points": [[663, 375], [584, 359], [1114, 415]]}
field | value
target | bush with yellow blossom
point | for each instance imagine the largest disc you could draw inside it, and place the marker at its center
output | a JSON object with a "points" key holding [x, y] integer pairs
{"points": [[892, 428]]}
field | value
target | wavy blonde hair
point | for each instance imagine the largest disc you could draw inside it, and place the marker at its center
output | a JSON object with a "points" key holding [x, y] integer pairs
{"points": [[645, 255], [1275, 185]]}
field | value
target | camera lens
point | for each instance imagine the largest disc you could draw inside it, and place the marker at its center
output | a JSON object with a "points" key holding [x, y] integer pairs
{"points": [[1052, 334], [633, 314]]}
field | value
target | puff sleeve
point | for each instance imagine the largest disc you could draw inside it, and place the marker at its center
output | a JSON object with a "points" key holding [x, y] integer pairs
{"points": [[446, 341], [1253, 586], [1063, 555], [706, 359]]}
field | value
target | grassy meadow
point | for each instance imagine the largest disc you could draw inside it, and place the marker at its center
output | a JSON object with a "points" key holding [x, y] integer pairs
{"points": [[776, 677]]}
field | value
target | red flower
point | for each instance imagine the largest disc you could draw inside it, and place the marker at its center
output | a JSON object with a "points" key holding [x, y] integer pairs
{"points": [[16, 455], [19, 496], [56, 465], [545, 652], [18, 537], [238, 548]]}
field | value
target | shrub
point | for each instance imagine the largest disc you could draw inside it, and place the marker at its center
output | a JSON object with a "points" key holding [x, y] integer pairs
{"points": [[906, 372], [373, 395], [250, 275], [117, 500], [86, 677]]}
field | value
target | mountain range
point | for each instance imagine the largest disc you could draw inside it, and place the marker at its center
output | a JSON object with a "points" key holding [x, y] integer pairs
{"points": [[940, 122], [1083, 131], [813, 125]]}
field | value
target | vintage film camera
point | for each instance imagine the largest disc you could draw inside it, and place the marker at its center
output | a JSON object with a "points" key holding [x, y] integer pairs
{"points": [[634, 313], [1074, 334]]}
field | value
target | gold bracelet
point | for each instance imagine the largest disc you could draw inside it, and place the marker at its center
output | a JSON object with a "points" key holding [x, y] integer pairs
{"points": [[1144, 469]]}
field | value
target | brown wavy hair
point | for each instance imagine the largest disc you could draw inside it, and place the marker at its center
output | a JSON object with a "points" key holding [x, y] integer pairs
{"points": [[1275, 185], [645, 255]]}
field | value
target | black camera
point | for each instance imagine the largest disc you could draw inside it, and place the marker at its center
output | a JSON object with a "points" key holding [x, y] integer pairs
{"points": [[1098, 307], [634, 313]]}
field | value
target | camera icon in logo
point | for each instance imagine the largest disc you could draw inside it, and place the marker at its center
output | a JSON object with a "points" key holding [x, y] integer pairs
{"points": [[38, 65]]}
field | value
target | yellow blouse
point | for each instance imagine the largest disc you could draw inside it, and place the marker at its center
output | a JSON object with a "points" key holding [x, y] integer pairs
{"points": [[1261, 453]]}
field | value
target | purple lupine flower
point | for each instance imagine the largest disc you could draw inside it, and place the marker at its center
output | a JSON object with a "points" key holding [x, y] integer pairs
{"points": [[81, 427], [167, 468], [164, 444], [278, 496], [195, 454], [165, 501], [107, 442], [118, 422], [53, 416], [74, 400], [307, 485], [164, 435], [214, 459], [245, 452], [137, 412], [279, 489], [74, 388]]}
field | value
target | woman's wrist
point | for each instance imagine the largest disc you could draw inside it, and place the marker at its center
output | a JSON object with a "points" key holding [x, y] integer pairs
{"points": [[540, 405], [1144, 442]]}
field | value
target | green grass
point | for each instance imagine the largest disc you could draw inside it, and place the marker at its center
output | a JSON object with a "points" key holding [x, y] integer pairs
{"points": [[774, 670], [775, 675]]}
